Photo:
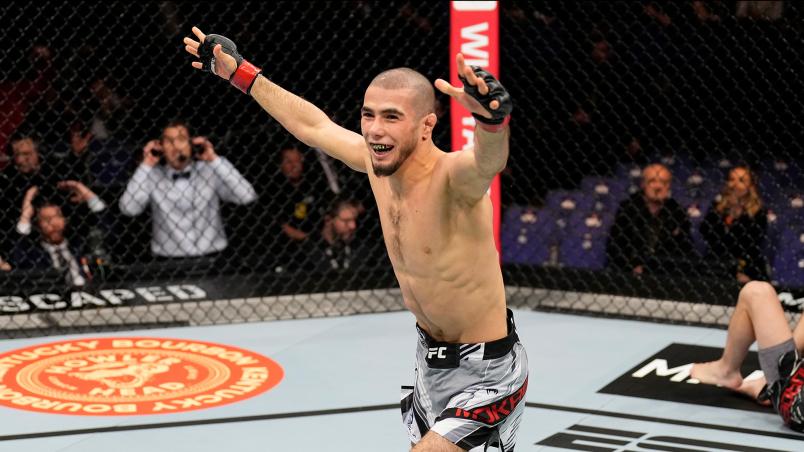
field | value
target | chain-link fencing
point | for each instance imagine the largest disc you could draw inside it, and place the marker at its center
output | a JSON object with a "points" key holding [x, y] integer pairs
{"points": [[165, 197], [660, 156]]}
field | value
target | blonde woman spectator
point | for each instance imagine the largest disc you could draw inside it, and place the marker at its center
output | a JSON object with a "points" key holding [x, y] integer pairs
{"points": [[736, 225]]}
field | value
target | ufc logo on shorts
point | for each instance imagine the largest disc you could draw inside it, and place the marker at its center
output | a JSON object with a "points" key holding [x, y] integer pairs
{"points": [[439, 352]]}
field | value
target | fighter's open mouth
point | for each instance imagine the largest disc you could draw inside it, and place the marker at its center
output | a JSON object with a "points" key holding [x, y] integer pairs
{"points": [[381, 148]]}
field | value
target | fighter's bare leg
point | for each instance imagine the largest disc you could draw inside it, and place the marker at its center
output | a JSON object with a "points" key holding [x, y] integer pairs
{"points": [[433, 442], [758, 316], [717, 373], [751, 388]]}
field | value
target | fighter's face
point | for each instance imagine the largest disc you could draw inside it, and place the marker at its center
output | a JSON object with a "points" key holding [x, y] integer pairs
{"points": [[390, 128], [176, 146]]}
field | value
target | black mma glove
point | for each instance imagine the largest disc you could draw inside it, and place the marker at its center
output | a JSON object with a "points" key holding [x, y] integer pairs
{"points": [[500, 116], [246, 73]]}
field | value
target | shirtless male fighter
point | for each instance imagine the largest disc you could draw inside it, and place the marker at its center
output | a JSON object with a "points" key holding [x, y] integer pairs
{"points": [[436, 216]]}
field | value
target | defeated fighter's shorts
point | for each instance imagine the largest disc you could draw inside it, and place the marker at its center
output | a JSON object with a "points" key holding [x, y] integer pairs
{"points": [[471, 394], [769, 359], [784, 371]]}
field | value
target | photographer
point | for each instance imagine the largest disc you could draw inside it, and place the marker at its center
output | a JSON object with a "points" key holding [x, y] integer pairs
{"points": [[184, 188]]}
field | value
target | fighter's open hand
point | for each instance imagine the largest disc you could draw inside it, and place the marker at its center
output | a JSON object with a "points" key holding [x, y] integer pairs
{"points": [[482, 94], [211, 54]]}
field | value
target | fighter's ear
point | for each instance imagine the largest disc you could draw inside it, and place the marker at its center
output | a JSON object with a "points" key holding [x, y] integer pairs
{"points": [[430, 121]]}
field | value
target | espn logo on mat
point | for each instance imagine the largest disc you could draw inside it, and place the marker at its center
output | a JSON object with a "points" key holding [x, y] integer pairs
{"points": [[131, 376], [585, 437]]}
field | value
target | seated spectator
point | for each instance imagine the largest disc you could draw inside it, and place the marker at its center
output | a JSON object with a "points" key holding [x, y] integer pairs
{"points": [[53, 249], [651, 231], [303, 195], [184, 193], [109, 107], [75, 162], [736, 226], [28, 171], [331, 247], [101, 165]]}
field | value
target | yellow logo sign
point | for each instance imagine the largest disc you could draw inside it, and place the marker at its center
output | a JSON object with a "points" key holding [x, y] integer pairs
{"points": [[131, 376]]}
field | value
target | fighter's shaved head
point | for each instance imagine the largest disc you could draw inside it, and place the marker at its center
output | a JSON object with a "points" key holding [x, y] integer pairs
{"points": [[423, 99]]}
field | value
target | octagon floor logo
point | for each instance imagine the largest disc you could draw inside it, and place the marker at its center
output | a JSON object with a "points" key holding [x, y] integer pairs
{"points": [[131, 376]]}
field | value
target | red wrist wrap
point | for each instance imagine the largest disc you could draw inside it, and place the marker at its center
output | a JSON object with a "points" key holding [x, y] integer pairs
{"points": [[243, 78], [494, 127]]}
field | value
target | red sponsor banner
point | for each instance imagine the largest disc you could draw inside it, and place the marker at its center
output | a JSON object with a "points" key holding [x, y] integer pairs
{"points": [[474, 32]]}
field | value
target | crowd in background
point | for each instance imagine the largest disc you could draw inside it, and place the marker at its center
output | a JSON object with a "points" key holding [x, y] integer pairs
{"points": [[53, 220], [684, 115], [109, 165]]}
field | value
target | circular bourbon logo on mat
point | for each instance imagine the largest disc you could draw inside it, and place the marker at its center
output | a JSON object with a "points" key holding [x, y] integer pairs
{"points": [[131, 375]]}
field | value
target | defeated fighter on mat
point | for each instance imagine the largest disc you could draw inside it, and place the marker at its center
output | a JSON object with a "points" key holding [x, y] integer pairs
{"points": [[436, 215], [759, 317]]}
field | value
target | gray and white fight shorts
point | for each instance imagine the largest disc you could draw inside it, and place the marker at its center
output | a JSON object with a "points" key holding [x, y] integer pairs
{"points": [[471, 394]]}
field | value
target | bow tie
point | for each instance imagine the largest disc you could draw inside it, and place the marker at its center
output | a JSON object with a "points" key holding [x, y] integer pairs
{"points": [[184, 175]]}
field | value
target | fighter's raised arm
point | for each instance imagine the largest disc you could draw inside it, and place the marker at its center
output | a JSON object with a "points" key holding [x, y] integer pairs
{"points": [[301, 118], [472, 170]]}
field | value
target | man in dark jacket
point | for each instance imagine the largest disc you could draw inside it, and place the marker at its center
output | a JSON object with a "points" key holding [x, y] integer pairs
{"points": [[55, 247], [651, 230]]}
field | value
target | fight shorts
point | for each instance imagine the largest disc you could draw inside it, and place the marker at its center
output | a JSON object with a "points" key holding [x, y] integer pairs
{"points": [[471, 394], [785, 383]]}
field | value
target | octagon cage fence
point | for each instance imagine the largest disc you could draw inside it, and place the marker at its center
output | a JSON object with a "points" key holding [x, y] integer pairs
{"points": [[603, 92]]}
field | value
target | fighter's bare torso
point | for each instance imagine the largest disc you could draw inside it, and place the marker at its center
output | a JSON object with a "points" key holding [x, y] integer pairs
{"points": [[439, 238], [443, 254]]}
